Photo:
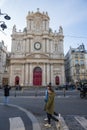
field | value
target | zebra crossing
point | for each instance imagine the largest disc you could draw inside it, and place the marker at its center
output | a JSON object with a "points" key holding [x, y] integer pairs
{"points": [[74, 122], [82, 120], [16, 123]]}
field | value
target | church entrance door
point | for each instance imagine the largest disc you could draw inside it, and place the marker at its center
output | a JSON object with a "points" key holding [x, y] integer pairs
{"points": [[57, 81], [37, 76], [17, 80]]}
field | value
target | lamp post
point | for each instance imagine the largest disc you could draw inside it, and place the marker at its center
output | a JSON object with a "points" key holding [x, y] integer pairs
{"points": [[2, 23]]}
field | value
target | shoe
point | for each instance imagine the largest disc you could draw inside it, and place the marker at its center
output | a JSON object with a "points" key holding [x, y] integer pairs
{"points": [[58, 124], [47, 125], [45, 119]]}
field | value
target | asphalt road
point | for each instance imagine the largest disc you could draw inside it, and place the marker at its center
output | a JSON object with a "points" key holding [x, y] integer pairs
{"points": [[73, 110]]}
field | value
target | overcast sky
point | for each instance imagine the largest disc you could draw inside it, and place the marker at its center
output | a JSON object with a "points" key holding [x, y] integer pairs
{"points": [[70, 14]]}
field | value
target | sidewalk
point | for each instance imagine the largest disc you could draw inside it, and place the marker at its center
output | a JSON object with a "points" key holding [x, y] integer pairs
{"points": [[42, 122]]}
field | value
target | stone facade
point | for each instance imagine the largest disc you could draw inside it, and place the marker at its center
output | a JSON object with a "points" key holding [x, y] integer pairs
{"points": [[76, 64], [3, 68], [37, 54]]}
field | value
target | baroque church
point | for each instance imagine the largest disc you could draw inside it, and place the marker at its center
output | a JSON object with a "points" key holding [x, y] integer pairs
{"points": [[37, 53]]}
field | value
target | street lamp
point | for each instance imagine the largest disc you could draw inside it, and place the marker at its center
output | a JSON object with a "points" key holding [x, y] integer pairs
{"points": [[2, 23]]}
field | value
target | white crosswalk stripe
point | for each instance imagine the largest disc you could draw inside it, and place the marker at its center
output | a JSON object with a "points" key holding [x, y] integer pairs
{"points": [[82, 121], [63, 124], [16, 123]]}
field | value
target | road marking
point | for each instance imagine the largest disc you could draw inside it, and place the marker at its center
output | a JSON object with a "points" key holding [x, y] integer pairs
{"points": [[16, 123], [34, 120], [62, 96], [82, 121], [63, 124]]}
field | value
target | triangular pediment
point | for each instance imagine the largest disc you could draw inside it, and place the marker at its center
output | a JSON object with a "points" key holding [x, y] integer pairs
{"points": [[37, 56]]}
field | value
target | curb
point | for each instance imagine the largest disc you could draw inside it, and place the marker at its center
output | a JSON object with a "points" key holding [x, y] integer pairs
{"points": [[35, 122]]}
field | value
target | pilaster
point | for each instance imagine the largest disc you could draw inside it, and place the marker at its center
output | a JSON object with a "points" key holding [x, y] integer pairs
{"points": [[31, 75], [26, 74]]}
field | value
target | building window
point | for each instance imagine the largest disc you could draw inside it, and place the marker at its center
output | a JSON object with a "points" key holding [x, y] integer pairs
{"points": [[76, 55], [81, 62], [76, 62], [82, 56]]}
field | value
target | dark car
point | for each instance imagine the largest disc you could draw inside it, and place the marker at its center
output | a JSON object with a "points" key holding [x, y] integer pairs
{"points": [[83, 90]]}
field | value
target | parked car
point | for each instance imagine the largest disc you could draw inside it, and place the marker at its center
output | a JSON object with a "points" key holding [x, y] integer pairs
{"points": [[83, 90]]}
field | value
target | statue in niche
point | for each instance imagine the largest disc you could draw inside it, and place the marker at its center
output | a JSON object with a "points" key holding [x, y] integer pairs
{"points": [[38, 25], [18, 47], [14, 29], [56, 48], [60, 29]]}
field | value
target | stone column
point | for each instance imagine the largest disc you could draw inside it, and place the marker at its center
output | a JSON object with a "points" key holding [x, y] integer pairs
{"points": [[23, 75], [44, 46], [26, 74], [48, 73], [23, 46], [47, 25], [51, 74], [31, 75], [27, 45], [11, 77], [43, 76], [31, 45], [47, 45], [51, 46], [43, 25]]}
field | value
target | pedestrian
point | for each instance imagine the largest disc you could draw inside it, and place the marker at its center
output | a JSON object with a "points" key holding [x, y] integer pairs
{"points": [[49, 107], [46, 92], [46, 99], [6, 93]]}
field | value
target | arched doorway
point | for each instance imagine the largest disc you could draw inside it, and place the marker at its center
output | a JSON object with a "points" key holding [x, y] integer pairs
{"points": [[57, 81], [17, 79], [37, 76]]}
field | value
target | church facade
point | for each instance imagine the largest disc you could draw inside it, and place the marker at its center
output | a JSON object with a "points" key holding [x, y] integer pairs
{"points": [[37, 54]]}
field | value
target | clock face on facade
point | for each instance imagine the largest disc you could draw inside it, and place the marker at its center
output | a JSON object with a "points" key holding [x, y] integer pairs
{"points": [[37, 45]]}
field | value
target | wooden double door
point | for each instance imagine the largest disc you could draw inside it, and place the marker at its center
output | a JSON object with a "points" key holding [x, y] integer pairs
{"points": [[37, 76]]}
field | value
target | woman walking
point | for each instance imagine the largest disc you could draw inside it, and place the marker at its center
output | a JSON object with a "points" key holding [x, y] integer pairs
{"points": [[49, 107]]}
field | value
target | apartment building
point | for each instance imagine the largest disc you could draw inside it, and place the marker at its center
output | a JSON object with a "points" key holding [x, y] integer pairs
{"points": [[76, 64], [3, 61]]}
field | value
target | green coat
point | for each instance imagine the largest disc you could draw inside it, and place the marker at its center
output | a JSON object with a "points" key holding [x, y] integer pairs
{"points": [[49, 106]]}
